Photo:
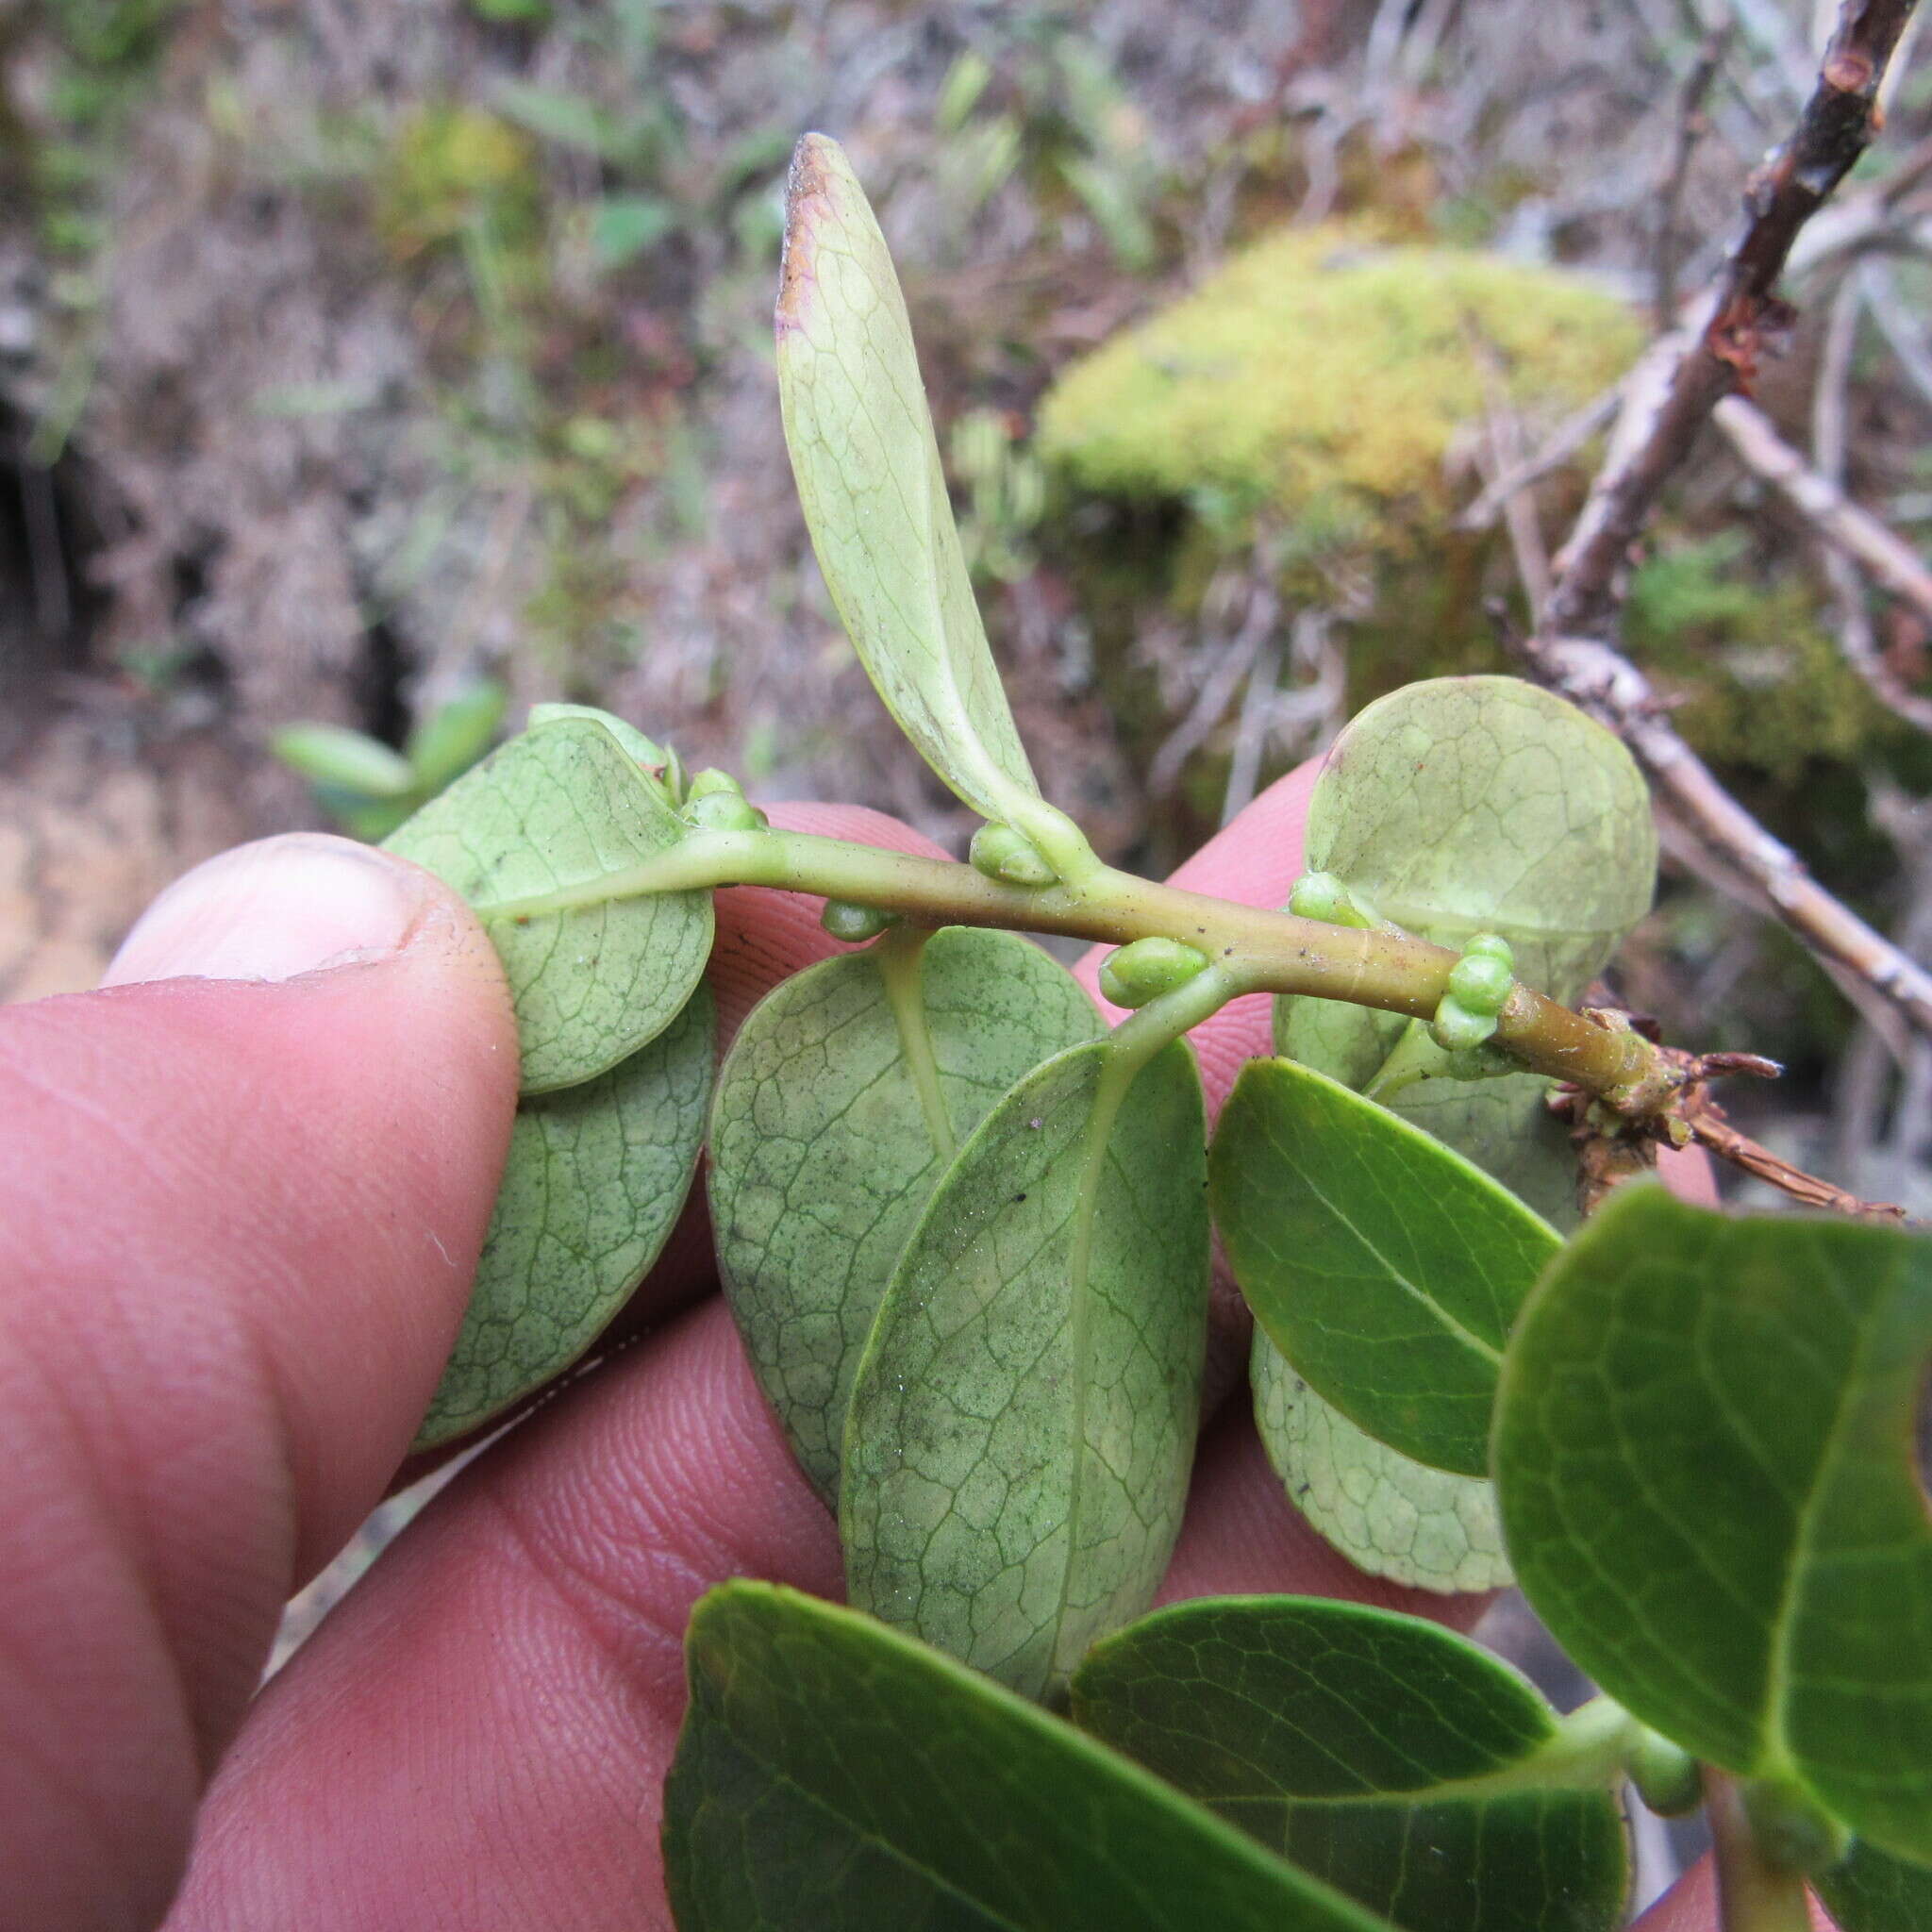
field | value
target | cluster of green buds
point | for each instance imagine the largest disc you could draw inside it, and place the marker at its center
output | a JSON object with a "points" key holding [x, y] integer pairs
{"points": [[1010, 856], [714, 800], [1146, 969], [1480, 984]]}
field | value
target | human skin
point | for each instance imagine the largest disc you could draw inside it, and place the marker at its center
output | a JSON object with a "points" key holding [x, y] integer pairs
{"points": [[242, 1192]]}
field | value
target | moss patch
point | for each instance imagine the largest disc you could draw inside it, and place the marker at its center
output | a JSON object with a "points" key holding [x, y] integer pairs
{"points": [[1321, 378]]}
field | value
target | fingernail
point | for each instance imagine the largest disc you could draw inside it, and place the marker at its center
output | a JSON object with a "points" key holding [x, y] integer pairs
{"points": [[272, 910]]}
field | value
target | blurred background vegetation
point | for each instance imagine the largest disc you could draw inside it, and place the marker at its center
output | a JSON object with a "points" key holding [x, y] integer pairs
{"points": [[366, 365]]}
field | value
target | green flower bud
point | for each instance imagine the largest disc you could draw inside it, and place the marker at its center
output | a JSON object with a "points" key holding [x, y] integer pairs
{"points": [[726, 812], [1792, 1831], [855, 924], [1146, 969], [1001, 852], [1456, 1029], [1480, 983], [1322, 895], [1666, 1777], [1489, 945], [711, 783]]}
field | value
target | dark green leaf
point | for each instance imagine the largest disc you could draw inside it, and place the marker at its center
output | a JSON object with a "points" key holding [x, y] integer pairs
{"points": [[832, 1777], [1387, 1514], [1023, 1423], [1328, 1731], [596, 1177], [1386, 1268], [1704, 1452], [868, 470], [844, 1096], [567, 805], [1871, 1892]]}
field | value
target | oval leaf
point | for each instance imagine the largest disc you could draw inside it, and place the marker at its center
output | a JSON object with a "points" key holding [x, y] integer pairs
{"points": [[868, 471], [832, 1777], [1338, 1736], [594, 1182], [1386, 1268], [1704, 1452], [564, 806], [844, 1096], [1387, 1514], [1023, 1423], [350, 760], [1871, 1892]]}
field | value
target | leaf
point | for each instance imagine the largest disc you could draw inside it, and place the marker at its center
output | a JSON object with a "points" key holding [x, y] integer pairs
{"points": [[1870, 1892], [452, 736], [1388, 1515], [624, 226], [868, 470], [1703, 1449], [565, 806], [333, 755], [1386, 1268], [596, 1177], [1328, 1731], [844, 1096], [1023, 1423], [832, 1777], [650, 756]]}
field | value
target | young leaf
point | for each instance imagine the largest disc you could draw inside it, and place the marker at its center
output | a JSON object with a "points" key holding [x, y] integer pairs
{"points": [[1387, 1269], [351, 762], [844, 1096], [566, 805], [1346, 1737], [832, 1777], [1871, 1892], [868, 470], [452, 738], [596, 1177], [1023, 1423], [1703, 1448], [1386, 1514]]}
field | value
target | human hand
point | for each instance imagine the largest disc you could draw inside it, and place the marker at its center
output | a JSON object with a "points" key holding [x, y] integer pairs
{"points": [[241, 1192]]}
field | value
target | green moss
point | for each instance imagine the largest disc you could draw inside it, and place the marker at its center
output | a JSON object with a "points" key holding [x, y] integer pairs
{"points": [[1761, 685], [1321, 378]]}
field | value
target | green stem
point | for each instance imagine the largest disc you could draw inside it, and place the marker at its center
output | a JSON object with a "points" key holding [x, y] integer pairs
{"points": [[1272, 952], [1754, 1894]]}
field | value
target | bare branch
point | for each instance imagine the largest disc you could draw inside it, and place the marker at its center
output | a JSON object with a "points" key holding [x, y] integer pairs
{"points": [[1690, 126], [1742, 316], [1612, 689]]}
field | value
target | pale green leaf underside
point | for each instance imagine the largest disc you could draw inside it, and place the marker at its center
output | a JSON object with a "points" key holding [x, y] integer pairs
{"points": [[833, 1776], [1387, 1268], [1465, 804], [561, 806], [1328, 1730], [1023, 1423], [824, 1149], [1703, 1451], [594, 1182], [867, 466], [1387, 1514]]}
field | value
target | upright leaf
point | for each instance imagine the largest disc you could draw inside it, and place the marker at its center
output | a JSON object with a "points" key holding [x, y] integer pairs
{"points": [[1386, 1268], [868, 470], [1348, 1740], [1387, 1513], [832, 1777], [562, 806], [1023, 1423], [1703, 1451], [844, 1096], [596, 1177]]}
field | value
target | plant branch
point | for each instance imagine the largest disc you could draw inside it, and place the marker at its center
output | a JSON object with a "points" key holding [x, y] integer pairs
{"points": [[1754, 1895], [1261, 951], [1614, 691], [1721, 354]]}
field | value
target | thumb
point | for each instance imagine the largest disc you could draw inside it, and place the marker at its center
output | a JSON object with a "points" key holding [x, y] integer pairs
{"points": [[243, 1188]]}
